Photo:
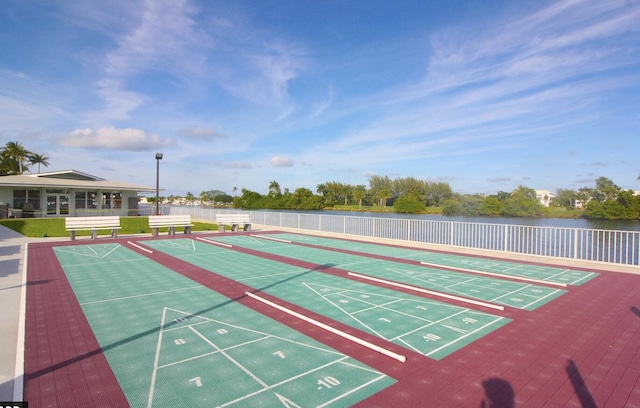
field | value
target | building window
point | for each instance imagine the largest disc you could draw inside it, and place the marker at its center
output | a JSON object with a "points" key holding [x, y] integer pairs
{"points": [[112, 200], [86, 200], [26, 199]]}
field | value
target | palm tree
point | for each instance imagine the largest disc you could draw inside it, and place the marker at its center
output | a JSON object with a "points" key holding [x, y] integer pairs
{"points": [[39, 159], [383, 195], [274, 189], [359, 192], [14, 156]]}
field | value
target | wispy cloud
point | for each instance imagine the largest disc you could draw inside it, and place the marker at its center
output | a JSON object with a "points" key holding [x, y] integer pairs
{"points": [[281, 161], [519, 79], [202, 133], [116, 139], [233, 165], [166, 38]]}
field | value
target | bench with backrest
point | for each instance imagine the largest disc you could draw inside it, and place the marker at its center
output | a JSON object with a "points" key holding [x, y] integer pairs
{"points": [[93, 224], [171, 222], [235, 220]]}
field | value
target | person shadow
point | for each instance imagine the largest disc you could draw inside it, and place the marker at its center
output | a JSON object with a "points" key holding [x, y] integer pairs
{"points": [[498, 394]]}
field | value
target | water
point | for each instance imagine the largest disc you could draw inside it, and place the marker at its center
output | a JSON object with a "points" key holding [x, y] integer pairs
{"points": [[615, 225]]}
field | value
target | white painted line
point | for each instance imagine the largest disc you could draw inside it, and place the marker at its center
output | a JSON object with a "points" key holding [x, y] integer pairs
{"points": [[340, 333], [231, 359], [465, 336], [156, 360], [542, 298], [18, 377], [430, 292], [273, 386], [210, 241], [139, 247], [271, 238], [575, 282], [351, 391], [502, 275]]}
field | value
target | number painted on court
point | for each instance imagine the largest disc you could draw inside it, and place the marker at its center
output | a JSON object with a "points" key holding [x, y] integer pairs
{"points": [[327, 382], [279, 354], [431, 337]]}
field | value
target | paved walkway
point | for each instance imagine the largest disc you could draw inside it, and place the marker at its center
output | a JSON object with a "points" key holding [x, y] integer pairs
{"points": [[12, 248], [12, 257]]}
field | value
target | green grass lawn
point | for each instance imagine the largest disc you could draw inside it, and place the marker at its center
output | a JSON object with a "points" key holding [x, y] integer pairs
{"points": [[54, 227]]}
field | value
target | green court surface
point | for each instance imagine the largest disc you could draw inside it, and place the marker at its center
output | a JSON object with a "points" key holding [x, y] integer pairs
{"points": [[432, 328], [172, 342], [489, 289], [506, 268]]}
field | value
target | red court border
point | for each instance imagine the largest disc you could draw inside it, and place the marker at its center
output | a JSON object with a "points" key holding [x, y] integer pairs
{"points": [[582, 349]]}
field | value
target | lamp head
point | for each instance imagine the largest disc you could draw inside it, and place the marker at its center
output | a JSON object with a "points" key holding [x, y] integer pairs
{"points": [[158, 156]]}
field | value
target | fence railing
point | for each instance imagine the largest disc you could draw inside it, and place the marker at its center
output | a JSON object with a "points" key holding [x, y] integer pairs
{"points": [[609, 246]]}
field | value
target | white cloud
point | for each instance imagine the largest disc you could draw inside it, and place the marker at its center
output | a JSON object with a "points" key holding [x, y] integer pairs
{"points": [[202, 133], [281, 161], [116, 139]]}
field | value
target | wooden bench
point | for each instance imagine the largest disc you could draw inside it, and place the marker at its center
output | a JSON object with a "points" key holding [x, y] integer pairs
{"points": [[92, 224], [171, 222], [235, 220]]}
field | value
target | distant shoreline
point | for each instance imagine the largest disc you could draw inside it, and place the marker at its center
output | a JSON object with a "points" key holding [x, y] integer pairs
{"points": [[574, 214]]}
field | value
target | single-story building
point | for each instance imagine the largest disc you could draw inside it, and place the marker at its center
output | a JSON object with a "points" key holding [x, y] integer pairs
{"points": [[67, 193]]}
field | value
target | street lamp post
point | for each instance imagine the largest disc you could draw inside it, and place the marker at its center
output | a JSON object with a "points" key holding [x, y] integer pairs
{"points": [[158, 158]]}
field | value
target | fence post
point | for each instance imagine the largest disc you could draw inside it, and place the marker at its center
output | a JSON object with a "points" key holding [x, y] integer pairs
{"points": [[506, 238], [451, 240]]}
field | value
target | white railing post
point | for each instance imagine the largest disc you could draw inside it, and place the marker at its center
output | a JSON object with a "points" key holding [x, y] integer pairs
{"points": [[505, 244], [451, 240]]}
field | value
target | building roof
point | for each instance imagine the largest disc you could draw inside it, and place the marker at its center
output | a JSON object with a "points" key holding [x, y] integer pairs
{"points": [[69, 179]]}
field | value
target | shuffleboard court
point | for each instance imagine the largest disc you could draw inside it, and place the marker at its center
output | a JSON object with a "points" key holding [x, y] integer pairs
{"points": [[508, 293], [506, 268], [173, 342], [432, 328]]}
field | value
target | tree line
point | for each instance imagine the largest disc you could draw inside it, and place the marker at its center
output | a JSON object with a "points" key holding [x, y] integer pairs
{"points": [[407, 195], [605, 200]]}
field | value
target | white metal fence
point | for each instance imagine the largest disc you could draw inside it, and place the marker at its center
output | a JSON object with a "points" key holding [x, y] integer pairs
{"points": [[618, 247]]}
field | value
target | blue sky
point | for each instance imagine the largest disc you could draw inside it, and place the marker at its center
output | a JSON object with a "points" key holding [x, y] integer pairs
{"points": [[482, 95]]}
